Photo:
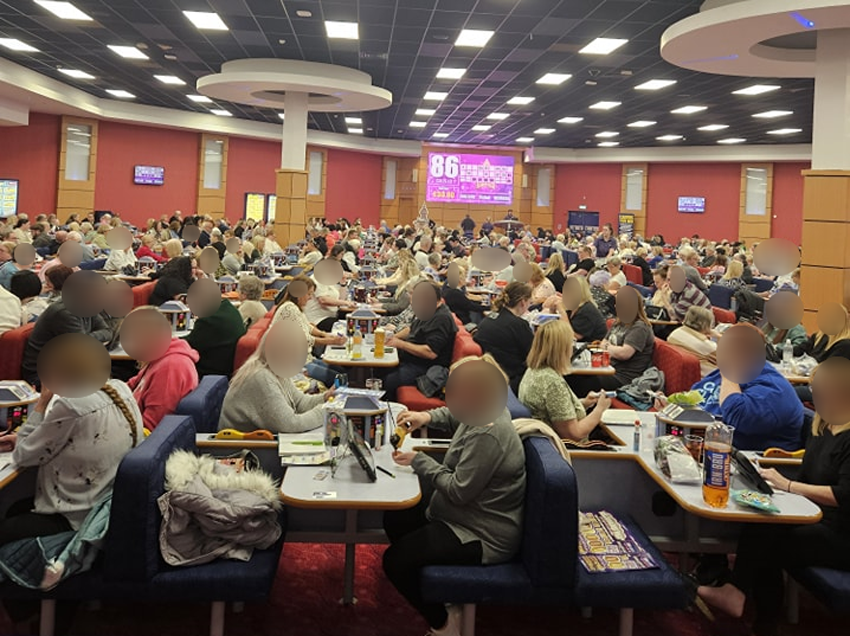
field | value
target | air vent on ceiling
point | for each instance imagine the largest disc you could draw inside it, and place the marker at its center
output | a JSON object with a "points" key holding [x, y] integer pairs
{"points": [[366, 55]]}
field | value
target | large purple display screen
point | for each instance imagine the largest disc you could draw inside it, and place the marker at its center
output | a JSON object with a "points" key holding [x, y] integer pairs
{"points": [[484, 179]]}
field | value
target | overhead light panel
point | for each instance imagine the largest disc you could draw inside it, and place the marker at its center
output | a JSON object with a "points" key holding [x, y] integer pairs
{"points": [[170, 79], [757, 89], [440, 135], [525, 140], [481, 128], [654, 85], [120, 94], [128, 52], [64, 10], [342, 30], [544, 131], [474, 38], [785, 131], [554, 79], [282, 115], [498, 116], [604, 105], [689, 110], [76, 74], [669, 138], [425, 112], [16, 45], [450, 73], [206, 20], [221, 112], [357, 121], [520, 101], [643, 123], [731, 140], [435, 96], [355, 131], [603, 46], [304, 13], [418, 124], [570, 120], [773, 114], [607, 134], [199, 99], [713, 127], [608, 144]]}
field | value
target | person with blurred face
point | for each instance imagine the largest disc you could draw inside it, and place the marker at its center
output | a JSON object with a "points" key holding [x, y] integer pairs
{"points": [[26, 285], [475, 510], [214, 337], [694, 336], [690, 261], [683, 295], [615, 268], [765, 550], [576, 305], [428, 341], [17, 264]]}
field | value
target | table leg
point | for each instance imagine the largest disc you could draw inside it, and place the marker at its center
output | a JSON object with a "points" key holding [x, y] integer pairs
{"points": [[348, 597]]}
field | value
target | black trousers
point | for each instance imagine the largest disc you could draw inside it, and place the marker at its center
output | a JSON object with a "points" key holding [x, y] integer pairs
{"points": [[404, 375], [584, 384], [415, 543], [764, 550]]}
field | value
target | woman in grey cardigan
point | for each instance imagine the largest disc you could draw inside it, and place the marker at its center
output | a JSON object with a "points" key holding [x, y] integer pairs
{"points": [[474, 513]]}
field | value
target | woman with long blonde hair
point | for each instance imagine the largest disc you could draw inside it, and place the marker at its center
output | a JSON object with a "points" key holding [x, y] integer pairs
{"points": [[556, 270]]}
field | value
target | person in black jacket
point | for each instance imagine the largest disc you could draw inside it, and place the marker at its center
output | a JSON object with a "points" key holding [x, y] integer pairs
{"points": [[587, 321], [505, 334], [173, 280], [822, 345], [454, 294], [646, 271]]}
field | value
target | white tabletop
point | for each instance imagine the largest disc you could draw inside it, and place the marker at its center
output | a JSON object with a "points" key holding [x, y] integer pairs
{"points": [[584, 370], [350, 489], [339, 356], [118, 352], [8, 470]]}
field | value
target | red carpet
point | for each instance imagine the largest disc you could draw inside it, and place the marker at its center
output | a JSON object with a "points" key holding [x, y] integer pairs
{"points": [[304, 602]]}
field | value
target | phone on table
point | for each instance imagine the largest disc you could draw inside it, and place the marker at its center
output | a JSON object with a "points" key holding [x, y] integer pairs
{"points": [[750, 473]]}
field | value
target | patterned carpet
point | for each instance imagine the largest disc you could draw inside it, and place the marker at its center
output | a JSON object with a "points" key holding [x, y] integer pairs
{"points": [[309, 584]]}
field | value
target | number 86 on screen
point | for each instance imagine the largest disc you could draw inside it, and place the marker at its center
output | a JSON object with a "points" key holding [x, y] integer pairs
{"points": [[445, 166]]}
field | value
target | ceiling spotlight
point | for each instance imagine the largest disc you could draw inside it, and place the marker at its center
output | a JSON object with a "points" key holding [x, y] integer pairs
{"points": [[713, 127]]}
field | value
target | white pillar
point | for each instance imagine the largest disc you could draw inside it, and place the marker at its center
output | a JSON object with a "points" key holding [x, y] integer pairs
{"points": [[294, 148], [831, 133]]}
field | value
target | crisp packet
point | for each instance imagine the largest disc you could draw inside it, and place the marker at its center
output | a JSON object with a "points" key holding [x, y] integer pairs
{"points": [[754, 499]]}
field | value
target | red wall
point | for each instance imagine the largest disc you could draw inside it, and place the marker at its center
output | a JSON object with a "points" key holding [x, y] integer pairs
{"points": [[251, 166], [595, 185], [788, 201], [31, 155], [354, 186], [120, 147]]}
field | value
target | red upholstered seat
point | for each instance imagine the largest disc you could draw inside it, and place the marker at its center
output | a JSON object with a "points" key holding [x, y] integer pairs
{"points": [[142, 293], [634, 274], [12, 344], [681, 369], [249, 342], [724, 315]]}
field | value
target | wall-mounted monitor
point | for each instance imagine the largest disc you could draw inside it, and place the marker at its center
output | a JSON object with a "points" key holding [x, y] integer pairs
{"points": [[692, 205], [149, 175], [476, 179], [8, 197]]}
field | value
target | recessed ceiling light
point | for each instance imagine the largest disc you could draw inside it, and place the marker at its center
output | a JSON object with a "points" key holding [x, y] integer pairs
{"points": [[16, 45], [72, 72], [785, 131], [342, 30], [554, 79], [669, 138], [206, 20], [570, 120], [525, 140], [603, 46], [120, 94], [498, 116], [450, 73], [221, 112], [654, 85], [643, 123], [282, 115], [355, 131], [418, 124], [170, 79], [481, 127], [757, 89], [604, 105], [440, 135], [435, 96], [608, 144], [773, 114], [689, 110], [424, 112], [128, 52], [474, 37], [607, 133], [544, 131], [200, 99], [521, 101], [713, 127], [731, 140], [303, 13], [64, 10], [357, 121]]}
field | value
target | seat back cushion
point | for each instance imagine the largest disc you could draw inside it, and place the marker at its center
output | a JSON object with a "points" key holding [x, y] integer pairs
{"points": [[132, 543], [12, 345], [204, 403], [142, 293], [464, 346], [724, 315], [246, 346], [516, 408], [681, 369], [550, 529], [634, 274], [721, 296]]}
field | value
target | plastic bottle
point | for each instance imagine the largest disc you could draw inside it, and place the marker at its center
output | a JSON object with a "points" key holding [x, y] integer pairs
{"points": [[636, 446], [787, 355], [380, 338], [717, 458], [357, 345]]}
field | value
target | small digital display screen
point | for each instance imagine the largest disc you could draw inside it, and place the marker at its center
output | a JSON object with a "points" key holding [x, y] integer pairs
{"points": [[149, 175], [692, 205]]}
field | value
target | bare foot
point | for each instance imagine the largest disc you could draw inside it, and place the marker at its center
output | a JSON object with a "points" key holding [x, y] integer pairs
{"points": [[727, 598]]}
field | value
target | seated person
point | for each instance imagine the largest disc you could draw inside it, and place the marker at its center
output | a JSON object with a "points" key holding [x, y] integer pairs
{"points": [[690, 261], [119, 259], [26, 285], [545, 392], [661, 295], [161, 383], [214, 338], [640, 261], [454, 294], [472, 512], [602, 298], [322, 308], [173, 280], [251, 291], [435, 265], [556, 270], [262, 393], [694, 336], [766, 550], [683, 295], [784, 283], [541, 287], [777, 337], [657, 256], [233, 261], [585, 318], [10, 311], [585, 264], [733, 277], [429, 341], [822, 345], [505, 334], [618, 279], [146, 249]]}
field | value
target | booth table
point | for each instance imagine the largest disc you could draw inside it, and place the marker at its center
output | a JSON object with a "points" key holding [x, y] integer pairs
{"points": [[339, 357], [583, 370]]}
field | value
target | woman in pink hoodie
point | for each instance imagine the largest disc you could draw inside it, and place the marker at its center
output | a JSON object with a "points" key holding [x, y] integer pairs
{"points": [[163, 382]]}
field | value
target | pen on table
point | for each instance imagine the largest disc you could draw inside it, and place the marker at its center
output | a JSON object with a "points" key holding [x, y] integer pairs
{"points": [[385, 471]]}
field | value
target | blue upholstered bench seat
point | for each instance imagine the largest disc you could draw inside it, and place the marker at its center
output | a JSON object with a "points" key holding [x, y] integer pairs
{"points": [[205, 402], [507, 583], [517, 408], [830, 587]]}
